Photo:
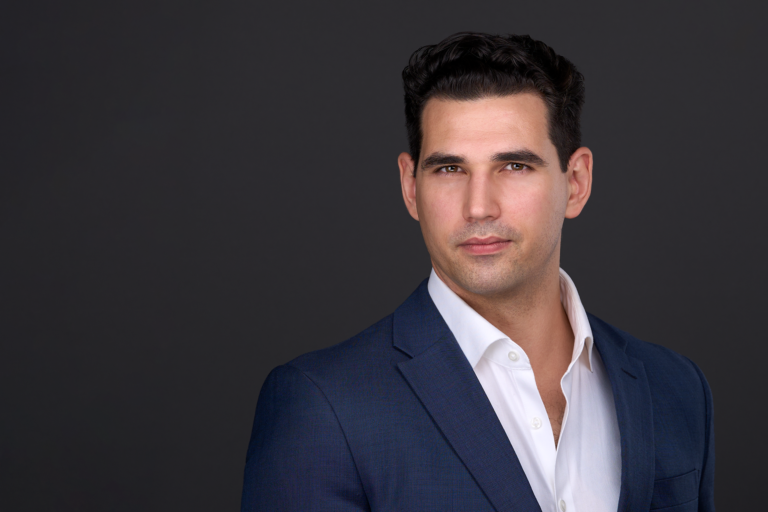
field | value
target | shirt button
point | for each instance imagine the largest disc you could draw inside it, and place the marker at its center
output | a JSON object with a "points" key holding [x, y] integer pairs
{"points": [[562, 505], [513, 356], [536, 424]]}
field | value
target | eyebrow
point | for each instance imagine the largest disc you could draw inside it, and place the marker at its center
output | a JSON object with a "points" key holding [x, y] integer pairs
{"points": [[523, 156], [441, 159]]}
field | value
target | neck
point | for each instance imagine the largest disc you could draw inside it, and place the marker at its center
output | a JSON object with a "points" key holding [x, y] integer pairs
{"points": [[531, 315]]}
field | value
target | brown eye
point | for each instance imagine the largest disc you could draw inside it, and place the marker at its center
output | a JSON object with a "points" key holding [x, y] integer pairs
{"points": [[517, 167], [449, 168]]}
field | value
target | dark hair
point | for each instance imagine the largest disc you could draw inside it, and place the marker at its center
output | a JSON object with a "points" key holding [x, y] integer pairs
{"points": [[468, 66]]}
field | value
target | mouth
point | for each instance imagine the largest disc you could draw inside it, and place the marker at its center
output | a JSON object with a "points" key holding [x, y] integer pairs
{"points": [[483, 246]]}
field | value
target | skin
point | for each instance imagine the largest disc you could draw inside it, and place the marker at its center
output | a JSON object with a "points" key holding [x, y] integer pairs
{"points": [[488, 172]]}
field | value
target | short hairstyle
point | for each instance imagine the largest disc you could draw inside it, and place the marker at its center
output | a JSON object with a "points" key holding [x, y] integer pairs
{"points": [[468, 66]]}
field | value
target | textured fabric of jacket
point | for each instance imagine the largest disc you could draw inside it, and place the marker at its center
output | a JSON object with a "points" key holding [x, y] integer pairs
{"points": [[394, 419]]}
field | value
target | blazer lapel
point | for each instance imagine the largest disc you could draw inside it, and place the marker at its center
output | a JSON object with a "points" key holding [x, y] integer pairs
{"points": [[634, 411], [442, 378]]}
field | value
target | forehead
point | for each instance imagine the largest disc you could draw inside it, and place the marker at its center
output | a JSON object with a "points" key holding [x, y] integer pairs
{"points": [[486, 125]]}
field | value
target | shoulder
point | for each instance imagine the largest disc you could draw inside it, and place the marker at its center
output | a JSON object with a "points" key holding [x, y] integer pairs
{"points": [[325, 382], [354, 386], [355, 367], [656, 356], [361, 349], [669, 373]]}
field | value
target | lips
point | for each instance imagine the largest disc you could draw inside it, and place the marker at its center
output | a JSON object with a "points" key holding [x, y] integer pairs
{"points": [[484, 241], [483, 246]]}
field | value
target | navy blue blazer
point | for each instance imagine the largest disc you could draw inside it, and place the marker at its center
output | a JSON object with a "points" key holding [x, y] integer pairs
{"points": [[394, 419]]}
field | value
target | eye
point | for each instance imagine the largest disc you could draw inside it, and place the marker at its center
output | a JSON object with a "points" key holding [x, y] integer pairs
{"points": [[517, 167], [449, 169]]}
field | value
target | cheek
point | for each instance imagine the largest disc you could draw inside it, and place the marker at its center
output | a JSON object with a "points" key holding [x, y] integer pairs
{"points": [[439, 210], [535, 210]]}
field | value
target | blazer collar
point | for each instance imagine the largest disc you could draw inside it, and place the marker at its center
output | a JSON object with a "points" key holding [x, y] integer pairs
{"points": [[442, 378], [634, 412]]}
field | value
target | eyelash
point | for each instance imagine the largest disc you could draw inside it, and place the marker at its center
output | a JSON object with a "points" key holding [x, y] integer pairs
{"points": [[440, 170]]}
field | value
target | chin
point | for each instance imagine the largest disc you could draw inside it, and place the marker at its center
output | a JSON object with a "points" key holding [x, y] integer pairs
{"points": [[487, 280]]}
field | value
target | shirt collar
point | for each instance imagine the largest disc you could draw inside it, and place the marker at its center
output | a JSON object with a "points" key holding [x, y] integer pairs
{"points": [[475, 334]]}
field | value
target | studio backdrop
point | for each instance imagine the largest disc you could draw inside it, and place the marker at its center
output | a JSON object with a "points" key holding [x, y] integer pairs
{"points": [[192, 193]]}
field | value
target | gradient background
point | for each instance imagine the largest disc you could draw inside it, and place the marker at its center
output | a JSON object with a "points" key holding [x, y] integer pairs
{"points": [[194, 193]]}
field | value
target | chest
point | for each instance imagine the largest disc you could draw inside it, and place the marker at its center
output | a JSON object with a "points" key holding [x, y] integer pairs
{"points": [[554, 403]]}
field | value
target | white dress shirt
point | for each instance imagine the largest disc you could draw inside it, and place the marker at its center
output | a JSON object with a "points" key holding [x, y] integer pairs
{"points": [[581, 474]]}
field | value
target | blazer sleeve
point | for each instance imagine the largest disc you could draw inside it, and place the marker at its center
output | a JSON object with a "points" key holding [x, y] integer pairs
{"points": [[707, 484], [298, 458]]}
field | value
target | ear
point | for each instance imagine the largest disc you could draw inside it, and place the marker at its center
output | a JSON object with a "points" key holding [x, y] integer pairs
{"points": [[579, 181], [408, 183]]}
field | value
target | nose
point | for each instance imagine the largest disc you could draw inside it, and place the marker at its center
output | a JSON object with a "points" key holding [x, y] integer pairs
{"points": [[481, 203]]}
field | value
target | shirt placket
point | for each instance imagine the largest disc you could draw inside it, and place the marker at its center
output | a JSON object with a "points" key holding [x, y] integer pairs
{"points": [[562, 489], [536, 418]]}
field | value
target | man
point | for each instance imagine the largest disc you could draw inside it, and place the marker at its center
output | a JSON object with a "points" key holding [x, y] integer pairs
{"points": [[490, 388]]}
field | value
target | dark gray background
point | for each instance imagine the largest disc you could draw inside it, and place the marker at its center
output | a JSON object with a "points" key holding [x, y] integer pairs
{"points": [[192, 194]]}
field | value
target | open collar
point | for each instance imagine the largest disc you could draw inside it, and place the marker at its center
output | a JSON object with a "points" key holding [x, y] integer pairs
{"points": [[475, 334]]}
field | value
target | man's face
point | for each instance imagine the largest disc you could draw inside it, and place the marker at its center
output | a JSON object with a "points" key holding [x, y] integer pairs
{"points": [[489, 192]]}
